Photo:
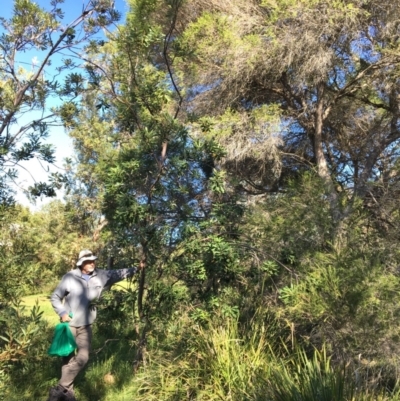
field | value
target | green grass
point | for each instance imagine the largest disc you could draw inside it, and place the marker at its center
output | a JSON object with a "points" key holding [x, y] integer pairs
{"points": [[45, 306]]}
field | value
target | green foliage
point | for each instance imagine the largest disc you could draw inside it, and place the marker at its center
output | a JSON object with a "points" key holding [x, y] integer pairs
{"points": [[19, 331], [237, 162], [17, 255], [23, 342], [41, 245], [117, 311], [339, 292]]}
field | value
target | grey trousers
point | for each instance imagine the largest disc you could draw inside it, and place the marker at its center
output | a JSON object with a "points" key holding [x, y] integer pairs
{"points": [[74, 363]]}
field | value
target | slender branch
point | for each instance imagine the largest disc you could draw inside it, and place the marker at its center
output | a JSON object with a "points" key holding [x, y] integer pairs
{"points": [[105, 343], [166, 58], [24, 128]]}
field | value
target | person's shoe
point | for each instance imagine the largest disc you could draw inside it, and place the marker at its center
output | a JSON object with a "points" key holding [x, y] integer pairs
{"points": [[59, 393], [55, 394], [67, 395]]}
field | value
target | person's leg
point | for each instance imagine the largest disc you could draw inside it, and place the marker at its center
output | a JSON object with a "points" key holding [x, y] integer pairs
{"points": [[75, 363]]}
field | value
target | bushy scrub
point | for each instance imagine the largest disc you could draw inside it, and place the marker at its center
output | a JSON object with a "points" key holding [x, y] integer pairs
{"points": [[25, 367]]}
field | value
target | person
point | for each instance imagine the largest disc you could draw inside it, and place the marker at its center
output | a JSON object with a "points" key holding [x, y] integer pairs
{"points": [[72, 301]]}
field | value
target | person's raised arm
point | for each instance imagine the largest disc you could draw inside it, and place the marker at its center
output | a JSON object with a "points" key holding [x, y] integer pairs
{"points": [[114, 276]]}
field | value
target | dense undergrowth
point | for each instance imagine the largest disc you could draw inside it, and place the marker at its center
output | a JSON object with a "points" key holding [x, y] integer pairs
{"points": [[310, 319], [219, 358]]}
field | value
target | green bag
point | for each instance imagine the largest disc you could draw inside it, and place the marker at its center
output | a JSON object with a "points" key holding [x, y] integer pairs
{"points": [[63, 342]]}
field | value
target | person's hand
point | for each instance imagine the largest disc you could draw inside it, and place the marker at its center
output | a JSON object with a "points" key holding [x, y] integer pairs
{"points": [[65, 318], [142, 265]]}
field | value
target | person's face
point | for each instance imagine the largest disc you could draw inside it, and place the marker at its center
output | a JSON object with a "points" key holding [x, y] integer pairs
{"points": [[88, 266]]}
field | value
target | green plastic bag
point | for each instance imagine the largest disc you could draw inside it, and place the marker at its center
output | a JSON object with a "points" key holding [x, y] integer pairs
{"points": [[63, 342]]}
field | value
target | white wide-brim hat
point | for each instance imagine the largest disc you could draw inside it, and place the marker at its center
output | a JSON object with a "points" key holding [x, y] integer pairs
{"points": [[85, 255]]}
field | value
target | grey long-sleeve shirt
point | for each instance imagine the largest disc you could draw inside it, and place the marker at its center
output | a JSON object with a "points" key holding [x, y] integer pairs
{"points": [[75, 294]]}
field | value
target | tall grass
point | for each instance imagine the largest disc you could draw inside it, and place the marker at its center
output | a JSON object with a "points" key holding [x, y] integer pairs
{"points": [[218, 363], [186, 361], [232, 364], [299, 377], [213, 363]]}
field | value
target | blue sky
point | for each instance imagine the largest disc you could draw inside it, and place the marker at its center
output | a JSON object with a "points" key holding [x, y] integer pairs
{"points": [[58, 137]]}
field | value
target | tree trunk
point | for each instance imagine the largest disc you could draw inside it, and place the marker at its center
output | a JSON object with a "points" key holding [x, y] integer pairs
{"points": [[322, 165]]}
